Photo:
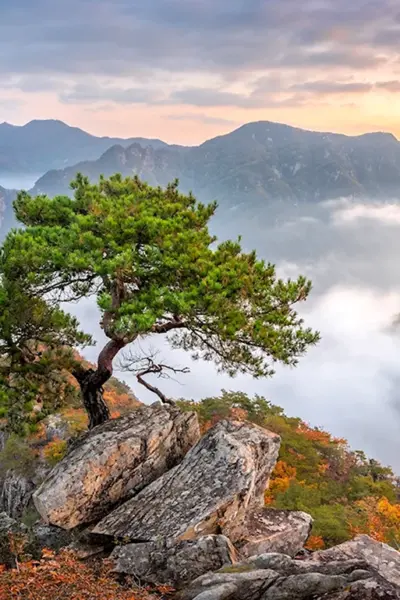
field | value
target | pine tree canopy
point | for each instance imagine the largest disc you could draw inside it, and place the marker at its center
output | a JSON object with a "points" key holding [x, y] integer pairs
{"points": [[146, 255]]}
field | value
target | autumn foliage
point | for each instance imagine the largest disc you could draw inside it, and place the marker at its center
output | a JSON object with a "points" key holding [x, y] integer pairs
{"points": [[63, 577], [55, 451], [315, 542], [380, 519]]}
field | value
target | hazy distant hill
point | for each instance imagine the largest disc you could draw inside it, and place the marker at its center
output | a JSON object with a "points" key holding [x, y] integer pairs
{"points": [[247, 170], [156, 166], [259, 161], [40, 146]]}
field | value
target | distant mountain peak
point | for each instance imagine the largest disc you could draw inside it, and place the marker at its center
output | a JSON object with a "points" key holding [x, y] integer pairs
{"points": [[42, 145], [40, 121], [273, 126], [257, 162], [380, 135], [36, 123], [113, 150]]}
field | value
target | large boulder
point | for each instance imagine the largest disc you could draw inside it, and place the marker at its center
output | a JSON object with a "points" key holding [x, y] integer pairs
{"points": [[278, 577], [270, 530], [238, 582], [218, 481], [173, 563], [18, 483], [114, 461], [383, 558]]}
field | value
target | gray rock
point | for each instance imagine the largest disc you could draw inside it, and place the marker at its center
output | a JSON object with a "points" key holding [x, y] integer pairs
{"points": [[113, 462], [285, 565], [269, 530], [3, 439], [219, 592], [369, 589], [85, 551], [278, 577], [359, 574], [173, 563], [56, 427], [299, 587], [272, 560], [379, 556], [16, 494], [52, 538], [7, 523], [242, 584], [219, 480]]}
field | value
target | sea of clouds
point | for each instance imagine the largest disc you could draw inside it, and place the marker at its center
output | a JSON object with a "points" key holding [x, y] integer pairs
{"points": [[350, 383]]}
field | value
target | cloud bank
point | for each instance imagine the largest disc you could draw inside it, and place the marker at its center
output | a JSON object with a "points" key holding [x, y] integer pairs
{"points": [[348, 384]]}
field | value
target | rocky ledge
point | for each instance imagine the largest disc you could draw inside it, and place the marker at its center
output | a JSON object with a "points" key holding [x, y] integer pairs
{"points": [[113, 462], [171, 508], [278, 577], [220, 480]]}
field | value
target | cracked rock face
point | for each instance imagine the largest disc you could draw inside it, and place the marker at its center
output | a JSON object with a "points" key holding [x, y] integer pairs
{"points": [[15, 494], [113, 462], [278, 577], [219, 480], [383, 558], [271, 530], [173, 563]]}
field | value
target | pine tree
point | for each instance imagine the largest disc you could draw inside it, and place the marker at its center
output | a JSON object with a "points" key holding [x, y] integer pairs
{"points": [[148, 258]]}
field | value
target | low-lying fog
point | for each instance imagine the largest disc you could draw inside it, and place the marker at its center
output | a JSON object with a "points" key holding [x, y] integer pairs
{"points": [[349, 383], [18, 181]]}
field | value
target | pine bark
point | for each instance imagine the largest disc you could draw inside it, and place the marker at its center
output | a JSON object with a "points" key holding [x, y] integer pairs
{"points": [[92, 382]]}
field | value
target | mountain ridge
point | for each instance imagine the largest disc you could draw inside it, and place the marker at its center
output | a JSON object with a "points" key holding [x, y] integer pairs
{"points": [[259, 161], [42, 145], [254, 164]]}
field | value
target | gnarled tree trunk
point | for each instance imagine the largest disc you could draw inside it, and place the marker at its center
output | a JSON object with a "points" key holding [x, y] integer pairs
{"points": [[92, 381], [93, 398]]}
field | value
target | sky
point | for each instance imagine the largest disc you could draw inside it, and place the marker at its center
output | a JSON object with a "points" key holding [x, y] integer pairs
{"points": [[187, 70]]}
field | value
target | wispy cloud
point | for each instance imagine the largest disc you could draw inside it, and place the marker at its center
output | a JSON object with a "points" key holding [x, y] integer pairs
{"points": [[268, 59], [133, 38], [334, 87], [203, 118], [386, 214]]}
